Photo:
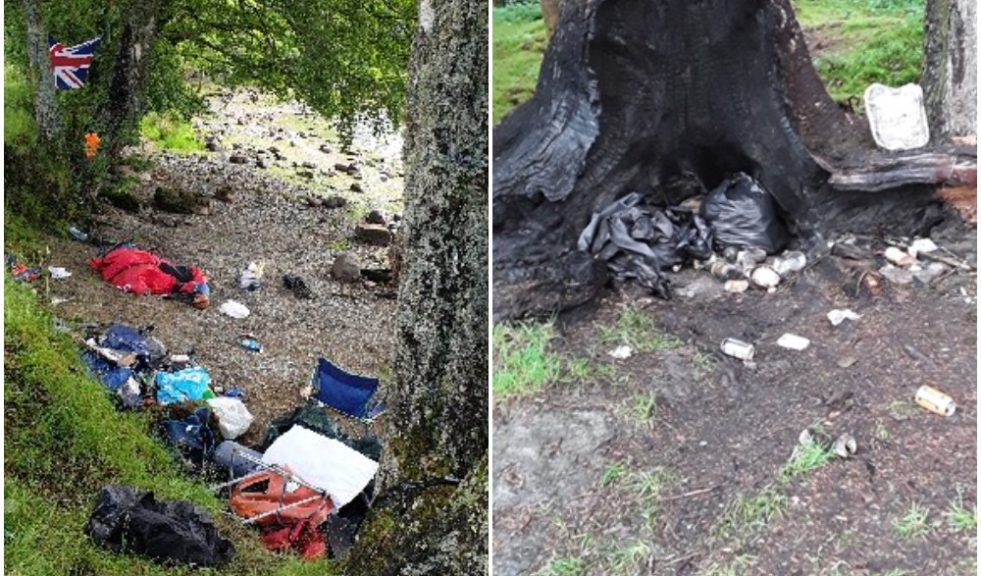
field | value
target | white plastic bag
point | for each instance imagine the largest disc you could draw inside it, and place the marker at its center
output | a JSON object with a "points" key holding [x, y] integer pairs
{"points": [[234, 309], [233, 417]]}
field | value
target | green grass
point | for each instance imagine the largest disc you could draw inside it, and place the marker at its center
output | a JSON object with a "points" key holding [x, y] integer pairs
{"points": [[519, 43], [806, 458], [870, 41], [913, 524], [564, 567], [960, 518], [642, 408], [613, 473], [747, 514], [170, 133], [630, 558], [739, 566], [523, 363], [18, 109], [64, 440], [648, 487], [637, 329]]}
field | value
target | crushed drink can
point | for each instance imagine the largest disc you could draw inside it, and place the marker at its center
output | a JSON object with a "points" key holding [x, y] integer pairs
{"points": [[935, 401], [738, 349]]}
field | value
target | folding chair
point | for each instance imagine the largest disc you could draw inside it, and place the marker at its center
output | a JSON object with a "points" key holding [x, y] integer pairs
{"points": [[346, 393]]}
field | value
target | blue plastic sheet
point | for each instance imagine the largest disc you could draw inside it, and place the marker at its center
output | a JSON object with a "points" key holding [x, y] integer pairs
{"points": [[190, 384], [192, 436], [128, 339]]}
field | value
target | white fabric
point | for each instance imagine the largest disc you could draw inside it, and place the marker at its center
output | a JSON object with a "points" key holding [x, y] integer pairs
{"points": [[234, 418], [322, 462]]}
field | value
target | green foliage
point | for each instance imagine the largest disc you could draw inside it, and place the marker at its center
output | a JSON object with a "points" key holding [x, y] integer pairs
{"points": [[613, 472], [523, 363], [519, 43], [637, 329], [170, 132], [18, 111], [807, 457], [564, 567], [960, 518], [64, 440], [913, 524]]}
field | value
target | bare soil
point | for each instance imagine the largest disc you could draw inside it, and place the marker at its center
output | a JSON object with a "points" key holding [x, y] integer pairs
{"points": [[720, 432]]}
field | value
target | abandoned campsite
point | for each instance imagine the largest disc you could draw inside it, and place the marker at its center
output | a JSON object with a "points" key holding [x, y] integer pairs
{"points": [[735, 288], [245, 298]]}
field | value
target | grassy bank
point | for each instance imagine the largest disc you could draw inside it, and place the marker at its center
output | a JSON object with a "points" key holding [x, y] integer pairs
{"points": [[854, 43], [64, 440]]}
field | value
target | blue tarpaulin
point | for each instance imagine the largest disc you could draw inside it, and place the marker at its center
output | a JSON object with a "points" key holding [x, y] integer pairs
{"points": [[345, 392]]}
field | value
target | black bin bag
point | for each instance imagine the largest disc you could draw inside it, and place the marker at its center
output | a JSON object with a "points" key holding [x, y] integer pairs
{"points": [[744, 215]]}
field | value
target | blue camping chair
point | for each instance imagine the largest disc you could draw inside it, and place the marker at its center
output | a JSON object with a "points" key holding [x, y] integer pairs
{"points": [[347, 393]]}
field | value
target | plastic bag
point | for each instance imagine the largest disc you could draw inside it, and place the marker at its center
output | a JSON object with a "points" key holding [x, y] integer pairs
{"points": [[233, 417], [742, 214], [190, 384]]}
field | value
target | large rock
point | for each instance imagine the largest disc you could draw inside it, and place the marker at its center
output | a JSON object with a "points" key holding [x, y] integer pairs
{"points": [[373, 234], [346, 269]]}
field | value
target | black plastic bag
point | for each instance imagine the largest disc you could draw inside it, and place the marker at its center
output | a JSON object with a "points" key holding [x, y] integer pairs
{"points": [[129, 520], [744, 215]]}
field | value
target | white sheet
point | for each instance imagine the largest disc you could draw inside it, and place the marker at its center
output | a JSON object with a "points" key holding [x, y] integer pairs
{"points": [[323, 462]]}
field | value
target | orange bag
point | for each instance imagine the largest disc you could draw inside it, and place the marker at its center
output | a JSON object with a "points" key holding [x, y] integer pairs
{"points": [[248, 501]]}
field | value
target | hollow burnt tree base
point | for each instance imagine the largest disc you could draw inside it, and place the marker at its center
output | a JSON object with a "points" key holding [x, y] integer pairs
{"points": [[667, 98]]}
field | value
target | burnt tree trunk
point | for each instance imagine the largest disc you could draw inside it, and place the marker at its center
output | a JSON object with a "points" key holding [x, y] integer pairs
{"points": [[667, 98], [131, 68], [950, 67], [430, 515], [45, 104]]}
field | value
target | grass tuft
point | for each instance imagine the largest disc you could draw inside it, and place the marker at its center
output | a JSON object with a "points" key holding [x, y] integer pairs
{"points": [[913, 524], [806, 458], [523, 363], [636, 329], [563, 567], [613, 473], [960, 518]]}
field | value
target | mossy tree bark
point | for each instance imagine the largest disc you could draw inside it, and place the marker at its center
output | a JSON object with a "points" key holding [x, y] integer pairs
{"points": [[430, 515], [46, 112], [950, 67], [667, 98]]}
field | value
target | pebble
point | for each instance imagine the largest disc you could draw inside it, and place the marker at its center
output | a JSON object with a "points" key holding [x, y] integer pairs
{"points": [[900, 276]]}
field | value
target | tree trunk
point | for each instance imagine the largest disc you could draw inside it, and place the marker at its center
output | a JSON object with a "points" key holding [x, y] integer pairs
{"points": [[127, 88], [668, 98], [950, 71], [424, 520], [550, 13], [45, 104]]}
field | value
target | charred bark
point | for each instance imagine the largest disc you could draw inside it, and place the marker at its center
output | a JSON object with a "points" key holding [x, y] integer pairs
{"points": [[667, 98], [437, 420]]}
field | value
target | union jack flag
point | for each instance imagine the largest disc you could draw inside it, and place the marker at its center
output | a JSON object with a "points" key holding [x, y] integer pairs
{"points": [[71, 65]]}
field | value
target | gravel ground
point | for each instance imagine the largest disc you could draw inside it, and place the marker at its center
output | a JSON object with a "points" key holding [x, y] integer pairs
{"points": [[268, 219]]}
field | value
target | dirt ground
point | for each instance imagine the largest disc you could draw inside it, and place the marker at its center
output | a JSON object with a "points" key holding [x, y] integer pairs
{"points": [[590, 480], [270, 220]]}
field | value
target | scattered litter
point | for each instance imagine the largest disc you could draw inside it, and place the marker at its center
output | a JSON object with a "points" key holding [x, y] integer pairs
{"points": [[128, 520], [790, 262], [736, 286], [839, 315], [59, 273], [929, 273], [189, 384], [22, 273], [742, 214], [935, 401], [251, 278], [117, 379], [723, 270], [738, 349], [179, 360], [323, 462], [191, 435], [141, 272], [250, 344], [123, 358], [237, 459], [297, 286], [750, 258], [235, 392], [234, 309], [313, 417], [922, 246], [900, 276], [765, 277], [793, 342], [234, 418], [898, 257], [56, 300], [896, 116], [845, 445], [846, 361], [77, 234], [621, 352]]}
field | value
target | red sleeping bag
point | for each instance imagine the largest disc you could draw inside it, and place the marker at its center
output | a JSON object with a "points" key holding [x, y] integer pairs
{"points": [[142, 272]]}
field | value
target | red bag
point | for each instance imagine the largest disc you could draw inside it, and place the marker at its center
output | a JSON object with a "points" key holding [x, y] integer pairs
{"points": [[142, 272]]}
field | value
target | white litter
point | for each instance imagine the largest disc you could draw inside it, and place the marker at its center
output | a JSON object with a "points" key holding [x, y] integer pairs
{"points": [[621, 352], [897, 117], [234, 309], [234, 418], [793, 261], [898, 257], [736, 286], [922, 246], [322, 462], [765, 277], [793, 342], [839, 315], [59, 273]]}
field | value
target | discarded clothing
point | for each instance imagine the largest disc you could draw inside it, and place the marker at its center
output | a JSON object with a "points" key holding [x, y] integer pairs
{"points": [[346, 392], [117, 379], [322, 462], [744, 215], [189, 384], [296, 285], [234, 418], [141, 272], [288, 518], [148, 350], [129, 520], [640, 242], [192, 436], [313, 417]]}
